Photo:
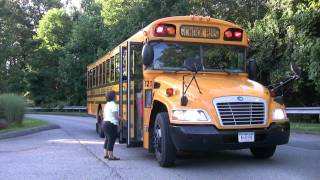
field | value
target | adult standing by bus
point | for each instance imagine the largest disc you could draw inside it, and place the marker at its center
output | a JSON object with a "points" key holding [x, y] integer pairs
{"points": [[110, 124]]}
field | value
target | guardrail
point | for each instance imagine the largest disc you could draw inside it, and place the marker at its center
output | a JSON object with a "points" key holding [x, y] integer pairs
{"points": [[303, 110], [289, 110], [64, 109]]}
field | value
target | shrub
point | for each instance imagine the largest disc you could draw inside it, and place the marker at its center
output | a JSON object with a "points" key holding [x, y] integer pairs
{"points": [[12, 108]]}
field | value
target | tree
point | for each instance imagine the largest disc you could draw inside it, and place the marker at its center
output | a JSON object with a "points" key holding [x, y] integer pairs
{"points": [[87, 39], [287, 34], [52, 35]]}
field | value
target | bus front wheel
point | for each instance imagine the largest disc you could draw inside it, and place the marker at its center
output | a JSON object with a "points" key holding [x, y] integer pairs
{"points": [[164, 148], [263, 152]]}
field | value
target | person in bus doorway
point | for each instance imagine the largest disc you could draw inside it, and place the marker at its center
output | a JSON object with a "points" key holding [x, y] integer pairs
{"points": [[110, 124]]}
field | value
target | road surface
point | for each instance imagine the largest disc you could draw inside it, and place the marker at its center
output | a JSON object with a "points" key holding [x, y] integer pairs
{"points": [[75, 152]]}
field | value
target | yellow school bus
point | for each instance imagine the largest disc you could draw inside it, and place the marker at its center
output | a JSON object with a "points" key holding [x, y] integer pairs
{"points": [[184, 84]]}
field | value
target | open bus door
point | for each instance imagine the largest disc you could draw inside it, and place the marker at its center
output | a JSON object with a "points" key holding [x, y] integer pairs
{"points": [[130, 93], [122, 89]]}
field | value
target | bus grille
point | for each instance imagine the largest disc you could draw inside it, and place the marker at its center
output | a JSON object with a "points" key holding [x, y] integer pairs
{"points": [[241, 113]]}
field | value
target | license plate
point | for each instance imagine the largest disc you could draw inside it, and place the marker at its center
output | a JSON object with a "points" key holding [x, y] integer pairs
{"points": [[245, 137]]}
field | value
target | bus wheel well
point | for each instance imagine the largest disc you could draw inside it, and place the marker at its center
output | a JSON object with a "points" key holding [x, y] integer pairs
{"points": [[156, 108]]}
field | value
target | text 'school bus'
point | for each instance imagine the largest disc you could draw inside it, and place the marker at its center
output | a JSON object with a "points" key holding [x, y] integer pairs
{"points": [[183, 84]]}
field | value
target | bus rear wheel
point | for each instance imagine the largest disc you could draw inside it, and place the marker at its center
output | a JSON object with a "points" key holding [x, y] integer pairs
{"points": [[164, 148], [99, 126], [263, 152]]}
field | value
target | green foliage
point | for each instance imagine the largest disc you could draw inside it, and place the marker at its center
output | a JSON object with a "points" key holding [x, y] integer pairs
{"points": [[12, 108], [44, 50], [288, 34], [54, 29]]}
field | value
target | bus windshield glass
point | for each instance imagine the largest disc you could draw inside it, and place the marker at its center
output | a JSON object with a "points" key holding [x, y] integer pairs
{"points": [[171, 56]]}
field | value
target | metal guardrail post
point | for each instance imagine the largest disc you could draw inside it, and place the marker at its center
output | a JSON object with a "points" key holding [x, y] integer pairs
{"points": [[65, 108], [303, 110]]}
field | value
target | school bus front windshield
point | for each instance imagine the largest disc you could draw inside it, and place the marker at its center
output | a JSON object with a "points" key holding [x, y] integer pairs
{"points": [[215, 58]]}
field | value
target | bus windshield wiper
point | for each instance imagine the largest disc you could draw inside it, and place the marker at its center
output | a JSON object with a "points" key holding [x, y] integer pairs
{"points": [[194, 66]]}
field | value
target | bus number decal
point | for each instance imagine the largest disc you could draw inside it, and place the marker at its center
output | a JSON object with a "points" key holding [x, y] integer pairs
{"points": [[148, 84]]}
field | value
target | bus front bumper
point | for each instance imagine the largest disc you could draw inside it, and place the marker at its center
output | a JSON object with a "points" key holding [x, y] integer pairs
{"points": [[209, 138]]}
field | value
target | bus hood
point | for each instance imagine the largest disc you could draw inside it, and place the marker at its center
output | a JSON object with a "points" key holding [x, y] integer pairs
{"points": [[213, 85]]}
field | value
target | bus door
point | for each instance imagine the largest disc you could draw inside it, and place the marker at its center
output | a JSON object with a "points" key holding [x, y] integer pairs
{"points": [[122, 130], [134, 95]]}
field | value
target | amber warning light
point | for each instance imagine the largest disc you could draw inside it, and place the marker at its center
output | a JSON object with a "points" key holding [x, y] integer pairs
{"points": [[165, 30], [170, 92]]}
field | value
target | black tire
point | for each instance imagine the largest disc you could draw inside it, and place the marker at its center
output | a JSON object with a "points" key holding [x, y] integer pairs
{"points": [[164, 148], [263, 152], [99, 126]]}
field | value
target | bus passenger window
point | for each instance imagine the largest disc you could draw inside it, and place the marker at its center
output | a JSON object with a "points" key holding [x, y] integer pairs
{"points": [[87, 77], [108, 71], [112, 70], [94, 77], [100, 74], [124, 66], [104, 73], [91, 78], [117, 68]]}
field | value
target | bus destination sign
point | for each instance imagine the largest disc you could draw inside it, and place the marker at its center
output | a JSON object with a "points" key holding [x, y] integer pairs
{"points": [[199, 32]]}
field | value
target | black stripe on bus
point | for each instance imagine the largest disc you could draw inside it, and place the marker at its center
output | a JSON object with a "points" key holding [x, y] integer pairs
{"points": [[108, 84], [104, 102], [102, 95]]}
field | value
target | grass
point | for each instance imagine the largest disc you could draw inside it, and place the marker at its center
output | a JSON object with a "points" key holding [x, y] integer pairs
{"points": [[305, 127], [82, 114], [26, 124]]}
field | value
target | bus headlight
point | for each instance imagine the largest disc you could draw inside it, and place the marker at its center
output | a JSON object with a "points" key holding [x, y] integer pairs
{"points": [[193, 115], [279, 114]]}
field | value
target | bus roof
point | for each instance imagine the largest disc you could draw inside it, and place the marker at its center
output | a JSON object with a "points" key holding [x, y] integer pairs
{"points": [[147, 33]]}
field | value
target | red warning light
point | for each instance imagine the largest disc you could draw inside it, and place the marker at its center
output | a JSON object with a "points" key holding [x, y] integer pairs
{"points": [[238, 35]]}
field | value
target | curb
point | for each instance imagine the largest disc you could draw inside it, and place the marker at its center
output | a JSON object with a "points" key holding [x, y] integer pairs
{"points": [[28, 131]]}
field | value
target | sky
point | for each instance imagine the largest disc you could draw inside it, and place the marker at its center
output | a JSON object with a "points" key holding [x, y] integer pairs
{"points": [[71, 3]]}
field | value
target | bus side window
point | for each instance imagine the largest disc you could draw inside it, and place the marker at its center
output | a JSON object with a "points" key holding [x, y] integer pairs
{"points": [[87, 77], [117, 68], [97, 74], [90, 79], [124, 67], [107, 71], [104, 73], [112, 69], [94, 77], [100, 74]]}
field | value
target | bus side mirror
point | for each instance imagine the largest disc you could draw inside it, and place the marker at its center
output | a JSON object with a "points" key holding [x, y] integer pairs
{"points": [[296, 70], [252, 69], [147, 54]]}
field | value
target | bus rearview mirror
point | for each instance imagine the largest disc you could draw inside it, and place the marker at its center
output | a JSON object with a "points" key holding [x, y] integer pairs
{"points": [[252, 69], [147, 54], [193, 64], [296, 70]]}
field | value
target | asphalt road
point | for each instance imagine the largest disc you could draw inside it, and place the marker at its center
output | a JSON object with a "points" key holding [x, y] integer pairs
{"points": [[75, 152]]}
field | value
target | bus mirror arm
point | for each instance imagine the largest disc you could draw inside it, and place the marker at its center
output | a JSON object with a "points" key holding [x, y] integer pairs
{"points": [[280, 87]]}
